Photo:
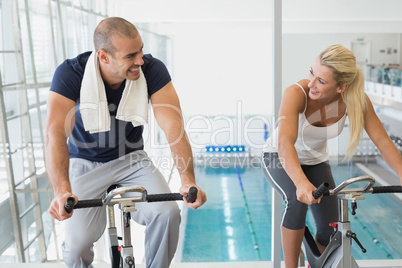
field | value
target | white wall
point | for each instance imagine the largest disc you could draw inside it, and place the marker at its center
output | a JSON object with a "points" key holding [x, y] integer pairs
{"points": [[218, 64], [222, 49], [300, 50], [295, 12]]}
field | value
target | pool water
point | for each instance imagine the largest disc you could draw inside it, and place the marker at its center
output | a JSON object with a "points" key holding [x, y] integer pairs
{"points": [[235, 223]]}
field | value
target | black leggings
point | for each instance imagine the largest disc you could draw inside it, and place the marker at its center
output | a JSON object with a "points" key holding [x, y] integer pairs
{"points": [[294, 215]]}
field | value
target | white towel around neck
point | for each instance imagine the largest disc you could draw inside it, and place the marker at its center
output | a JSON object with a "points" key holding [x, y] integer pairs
{"points": [[94, 109]]}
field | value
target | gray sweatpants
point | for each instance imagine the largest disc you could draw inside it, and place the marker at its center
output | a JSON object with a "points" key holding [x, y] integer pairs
{"points": [[90, 180], [294, 214]]}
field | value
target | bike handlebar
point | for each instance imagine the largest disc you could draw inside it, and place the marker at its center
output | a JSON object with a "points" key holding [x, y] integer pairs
{"points": [[70, 203], [352, 180], [89, 203], [191, 197], [386, 189], [323, 188]]}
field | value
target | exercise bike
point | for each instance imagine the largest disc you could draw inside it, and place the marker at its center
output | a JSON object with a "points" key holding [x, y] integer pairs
{"points": [[338, 252], [121, 253]]}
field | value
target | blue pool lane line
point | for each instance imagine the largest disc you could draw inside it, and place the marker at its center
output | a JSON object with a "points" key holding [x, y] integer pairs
{"points": [[250, 221], [373, 238]]}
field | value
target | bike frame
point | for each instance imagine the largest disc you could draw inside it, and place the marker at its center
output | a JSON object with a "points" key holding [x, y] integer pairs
{"points": [[338, 252], [123, 256]]}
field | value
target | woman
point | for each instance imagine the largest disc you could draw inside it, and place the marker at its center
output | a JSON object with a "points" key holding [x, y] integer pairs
{"points": [[296, 154]]}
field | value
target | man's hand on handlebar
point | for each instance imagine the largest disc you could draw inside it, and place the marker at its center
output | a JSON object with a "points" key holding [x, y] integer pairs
{"points": [[57, 210], [201, 196]]}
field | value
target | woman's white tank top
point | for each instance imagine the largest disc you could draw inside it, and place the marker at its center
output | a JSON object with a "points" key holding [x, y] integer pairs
{"points": [[312, 142]]}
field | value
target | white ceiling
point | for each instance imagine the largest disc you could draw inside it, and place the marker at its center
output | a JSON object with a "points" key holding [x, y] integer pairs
{"points": [[298, 15]]}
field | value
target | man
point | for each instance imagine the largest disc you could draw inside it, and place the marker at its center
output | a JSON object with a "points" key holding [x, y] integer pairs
{"points": [[88, 149]]}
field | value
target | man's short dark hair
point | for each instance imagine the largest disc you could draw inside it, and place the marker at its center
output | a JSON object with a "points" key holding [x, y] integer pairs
{"points": [[112, 27]]}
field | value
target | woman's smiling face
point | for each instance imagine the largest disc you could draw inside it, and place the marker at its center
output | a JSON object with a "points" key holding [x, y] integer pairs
{"points": [[322, 82]]}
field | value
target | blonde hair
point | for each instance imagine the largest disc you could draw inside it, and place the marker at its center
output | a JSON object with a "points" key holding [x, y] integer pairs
{"points": [[343, 62]]}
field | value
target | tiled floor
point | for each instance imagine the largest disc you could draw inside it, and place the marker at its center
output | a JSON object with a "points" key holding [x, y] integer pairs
{"points": [[363, 264]]}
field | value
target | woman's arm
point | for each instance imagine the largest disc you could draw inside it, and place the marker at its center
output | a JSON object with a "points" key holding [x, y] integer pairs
{"points": [[382, 141], [293, 103]]}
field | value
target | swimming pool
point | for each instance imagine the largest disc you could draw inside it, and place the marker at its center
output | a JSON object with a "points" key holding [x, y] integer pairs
{"points": [[235, 223]]}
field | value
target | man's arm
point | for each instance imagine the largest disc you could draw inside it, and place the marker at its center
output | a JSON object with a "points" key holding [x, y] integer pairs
{"points": [[166, 106], [59, 124]]}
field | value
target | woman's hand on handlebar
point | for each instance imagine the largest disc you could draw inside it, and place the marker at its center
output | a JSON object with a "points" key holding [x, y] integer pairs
{"points": [[57, 210], [304, 193], [199, 201]]}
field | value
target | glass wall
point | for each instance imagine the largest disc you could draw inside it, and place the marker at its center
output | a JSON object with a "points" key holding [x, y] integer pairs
{"points": [[35, 37], [383, 83]]}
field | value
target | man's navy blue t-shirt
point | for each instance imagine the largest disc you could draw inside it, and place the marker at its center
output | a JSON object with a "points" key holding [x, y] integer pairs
{"points": [[122, 138]]}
